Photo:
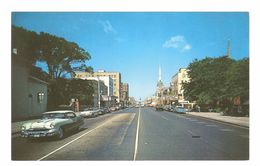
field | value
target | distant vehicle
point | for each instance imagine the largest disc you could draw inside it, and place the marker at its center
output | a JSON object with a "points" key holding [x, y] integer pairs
{"points": [[52, 124], [180, 109], [101, 111], [167, 107], [159, 108], [112, 109], [89, 113], [107, 110]]}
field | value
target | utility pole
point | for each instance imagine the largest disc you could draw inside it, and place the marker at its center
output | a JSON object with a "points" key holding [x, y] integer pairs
{"points": [[228, 49], [98, 93]]}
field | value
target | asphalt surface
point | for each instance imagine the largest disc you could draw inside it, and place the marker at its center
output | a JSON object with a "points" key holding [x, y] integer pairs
{"points": [[141, 134]]}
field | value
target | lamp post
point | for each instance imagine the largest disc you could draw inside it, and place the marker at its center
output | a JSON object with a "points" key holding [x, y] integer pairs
{"points": [[98, 93]]}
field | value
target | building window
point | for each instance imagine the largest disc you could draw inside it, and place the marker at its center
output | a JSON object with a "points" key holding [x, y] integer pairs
{"points": [[40, 97]]}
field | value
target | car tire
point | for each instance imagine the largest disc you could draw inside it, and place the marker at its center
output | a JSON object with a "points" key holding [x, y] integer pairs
{"points": [[60, 134]]}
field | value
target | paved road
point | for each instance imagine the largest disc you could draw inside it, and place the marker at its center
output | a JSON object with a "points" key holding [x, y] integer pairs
{"points": [[141, 134]]}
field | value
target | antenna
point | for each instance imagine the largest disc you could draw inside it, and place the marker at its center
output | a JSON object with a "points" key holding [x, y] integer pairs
{"points": [[228, 49]]}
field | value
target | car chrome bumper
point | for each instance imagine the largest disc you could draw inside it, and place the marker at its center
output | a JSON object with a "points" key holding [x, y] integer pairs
{"points": [[38, 134]]}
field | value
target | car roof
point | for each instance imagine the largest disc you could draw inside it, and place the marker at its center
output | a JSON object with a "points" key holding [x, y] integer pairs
{"points": [[59, 111]]}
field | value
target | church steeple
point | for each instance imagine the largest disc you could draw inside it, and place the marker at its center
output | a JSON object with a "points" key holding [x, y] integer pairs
{"points": [[160, 73], [159, 83]]}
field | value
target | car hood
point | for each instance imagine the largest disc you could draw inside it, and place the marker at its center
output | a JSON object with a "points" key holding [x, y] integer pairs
{"points": [[43, 123]]}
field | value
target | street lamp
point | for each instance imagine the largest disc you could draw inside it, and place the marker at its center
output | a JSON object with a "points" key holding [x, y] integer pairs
{"points": [[98, 93]]}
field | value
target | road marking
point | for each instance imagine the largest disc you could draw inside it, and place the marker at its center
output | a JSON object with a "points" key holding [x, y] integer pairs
{"points": [[47, 155], [137, 135], [193, 135], [201, 122], [228, 130], [211, 125], [163, 117], [126, 128]]}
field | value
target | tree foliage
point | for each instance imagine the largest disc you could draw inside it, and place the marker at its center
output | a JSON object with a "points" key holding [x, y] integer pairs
{"points": [[24, 45], [237, 83], [216, 80], [58, 53], [63, 90], [61, 57]]}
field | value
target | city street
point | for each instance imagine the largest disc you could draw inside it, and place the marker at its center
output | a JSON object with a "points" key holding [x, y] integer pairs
{"points": [[141, 134]]}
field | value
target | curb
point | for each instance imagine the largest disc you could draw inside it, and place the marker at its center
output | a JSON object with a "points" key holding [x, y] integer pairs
{"points": [[216, 120]]}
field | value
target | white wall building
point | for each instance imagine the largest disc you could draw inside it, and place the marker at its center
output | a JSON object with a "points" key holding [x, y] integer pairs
{"points": [[108, 81], [177, 83]]}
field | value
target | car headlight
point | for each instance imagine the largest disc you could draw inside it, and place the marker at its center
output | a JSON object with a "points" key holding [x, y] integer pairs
{"points": [[23, 128], [51, 126]]}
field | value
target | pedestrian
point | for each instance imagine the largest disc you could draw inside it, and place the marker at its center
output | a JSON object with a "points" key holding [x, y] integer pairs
{"points": [[77, 105], [198, 107]]}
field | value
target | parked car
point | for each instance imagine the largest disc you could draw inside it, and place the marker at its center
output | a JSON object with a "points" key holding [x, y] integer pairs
{"points": [[107, 110], [167, 107], [113, 109], [52, 124], [180, 109], [159, 108], [89, 113], [101, 111]]}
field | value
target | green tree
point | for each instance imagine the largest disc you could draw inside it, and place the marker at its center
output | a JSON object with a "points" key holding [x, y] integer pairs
{"points": [[60, 55], [63, 90], [24, 45], [237, 83], [208, 77]]}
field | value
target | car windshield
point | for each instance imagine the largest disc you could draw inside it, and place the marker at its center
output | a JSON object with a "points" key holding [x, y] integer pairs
{"points": [[54, 116]]}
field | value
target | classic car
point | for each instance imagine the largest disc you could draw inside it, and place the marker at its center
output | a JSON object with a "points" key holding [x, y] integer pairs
{"points": [[52, 124], [180, 109], [87, 113]]}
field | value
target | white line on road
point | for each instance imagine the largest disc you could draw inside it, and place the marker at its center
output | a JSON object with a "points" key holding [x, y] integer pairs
{"points": [[164, 117], [71, 141], [211, 125], [227, 130], [126, 128], [136, 136], [201, 122]]}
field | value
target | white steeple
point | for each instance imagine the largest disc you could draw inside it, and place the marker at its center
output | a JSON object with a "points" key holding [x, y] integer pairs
{"points": [[160, 73]]}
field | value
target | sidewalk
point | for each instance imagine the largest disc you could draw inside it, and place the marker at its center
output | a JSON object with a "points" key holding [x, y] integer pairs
{"points": [[240, 121]]}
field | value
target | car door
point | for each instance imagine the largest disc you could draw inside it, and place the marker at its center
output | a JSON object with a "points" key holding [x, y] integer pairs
{"points": [[73, 121]]}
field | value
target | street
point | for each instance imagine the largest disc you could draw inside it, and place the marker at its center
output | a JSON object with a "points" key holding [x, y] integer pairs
{"points": [[141, 134]]}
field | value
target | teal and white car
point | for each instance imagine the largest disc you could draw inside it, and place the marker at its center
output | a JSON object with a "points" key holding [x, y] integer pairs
{"points": [[52, 124]]}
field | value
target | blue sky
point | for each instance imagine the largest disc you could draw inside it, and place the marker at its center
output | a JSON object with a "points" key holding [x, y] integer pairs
{"points": [[136, 43]]}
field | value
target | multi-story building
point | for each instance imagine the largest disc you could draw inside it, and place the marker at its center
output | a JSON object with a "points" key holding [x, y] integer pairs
{"points": [[100, 89], [177, 83], [108, 81], [115, 76], [124, 93]]}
